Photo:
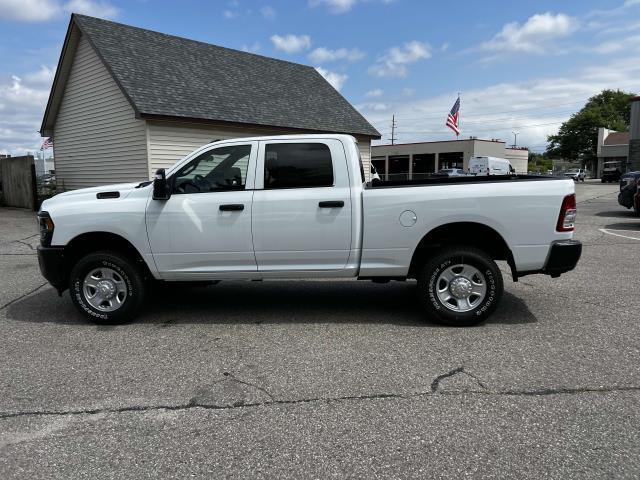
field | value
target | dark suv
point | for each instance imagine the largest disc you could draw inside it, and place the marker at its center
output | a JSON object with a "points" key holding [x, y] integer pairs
{"points": [[629, 195], [610, 172]]}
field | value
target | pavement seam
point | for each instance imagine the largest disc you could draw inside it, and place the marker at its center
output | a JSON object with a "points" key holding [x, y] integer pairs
{"points": [[193, 404], [23, 296]]}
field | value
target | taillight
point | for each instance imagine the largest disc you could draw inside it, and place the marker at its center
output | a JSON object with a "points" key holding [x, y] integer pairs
{"points": [[567, 217]]}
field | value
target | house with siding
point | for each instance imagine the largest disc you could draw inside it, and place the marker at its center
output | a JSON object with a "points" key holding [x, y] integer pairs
{"points": [[126, 101]]}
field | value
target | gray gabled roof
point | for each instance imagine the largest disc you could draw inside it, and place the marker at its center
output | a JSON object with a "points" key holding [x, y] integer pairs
{"points": [[167, 76]]}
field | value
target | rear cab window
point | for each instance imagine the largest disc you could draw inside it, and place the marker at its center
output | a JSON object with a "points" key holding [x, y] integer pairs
{"points": [[297, 165]]}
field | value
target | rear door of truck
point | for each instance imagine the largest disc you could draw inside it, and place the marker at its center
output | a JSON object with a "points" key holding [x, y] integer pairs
{"points": [[302, 206]]}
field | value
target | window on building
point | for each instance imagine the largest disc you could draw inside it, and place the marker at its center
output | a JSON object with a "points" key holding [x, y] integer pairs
{"points": [[399, 167], [451, 160], [297, 165], [219, 169], [423, 165]]}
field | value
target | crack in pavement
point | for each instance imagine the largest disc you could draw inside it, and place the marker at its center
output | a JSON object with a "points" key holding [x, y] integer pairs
{"points": [[435, 385], [2, 307], [22, 242], [193, 404]]}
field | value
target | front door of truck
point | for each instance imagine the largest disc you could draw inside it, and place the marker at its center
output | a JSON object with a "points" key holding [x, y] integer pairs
{"points": [[204, 229], [302, 206]]}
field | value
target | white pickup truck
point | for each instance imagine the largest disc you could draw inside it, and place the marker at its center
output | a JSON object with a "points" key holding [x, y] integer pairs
{"points": [[298, 206]]}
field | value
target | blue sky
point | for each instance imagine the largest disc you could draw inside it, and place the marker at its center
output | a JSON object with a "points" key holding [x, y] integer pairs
{"points": [[520, 66]]}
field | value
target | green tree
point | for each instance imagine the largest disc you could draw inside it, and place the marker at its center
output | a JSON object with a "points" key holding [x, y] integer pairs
{"points": [[577, 138], [539, 162]]}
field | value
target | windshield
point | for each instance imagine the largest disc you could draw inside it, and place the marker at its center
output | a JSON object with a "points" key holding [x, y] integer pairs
{"points": [[573, 170]]}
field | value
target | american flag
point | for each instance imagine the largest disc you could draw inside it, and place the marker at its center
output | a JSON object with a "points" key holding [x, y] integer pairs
{"points": [[47, 143], [452, 118]]}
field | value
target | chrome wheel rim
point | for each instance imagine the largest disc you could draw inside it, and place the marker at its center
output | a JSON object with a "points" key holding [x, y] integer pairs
{"points": [[104, 289], [461, 287]]}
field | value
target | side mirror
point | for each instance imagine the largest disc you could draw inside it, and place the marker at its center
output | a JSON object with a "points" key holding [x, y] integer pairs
{"points": [[160, 186]]}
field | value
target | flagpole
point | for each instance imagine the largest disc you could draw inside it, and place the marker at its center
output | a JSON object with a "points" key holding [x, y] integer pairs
{"points": [[457, 134]]}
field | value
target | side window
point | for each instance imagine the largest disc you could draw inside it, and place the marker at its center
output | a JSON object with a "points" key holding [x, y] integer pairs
{"points": [[219, 169], [297, 165]]}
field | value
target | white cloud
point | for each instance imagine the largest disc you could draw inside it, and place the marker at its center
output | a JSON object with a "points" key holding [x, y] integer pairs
{"points": [[230, 14], [534, 35], [43, 10], [43, 77], [343, 6], [373, 106], [28, 10], [268, 12], [253, 48], [335, 79], [374, 93], [534, 108], [22, 103], [88, 7], [393, 63], [335, 6], [323, 55], [291, 43]]}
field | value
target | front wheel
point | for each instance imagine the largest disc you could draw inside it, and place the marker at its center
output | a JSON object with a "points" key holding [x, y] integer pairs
{"points": [[460, 286], [107, 287]]}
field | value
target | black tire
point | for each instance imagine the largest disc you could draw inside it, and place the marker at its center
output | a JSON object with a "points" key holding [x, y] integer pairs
{"points": [[129, 274], [429, 276]]}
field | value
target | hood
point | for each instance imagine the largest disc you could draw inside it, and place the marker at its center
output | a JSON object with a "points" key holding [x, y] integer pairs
{"points": [[121, 190]]}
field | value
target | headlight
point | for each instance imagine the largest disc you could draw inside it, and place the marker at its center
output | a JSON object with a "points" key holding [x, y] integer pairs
{"points": [[46, 228]]}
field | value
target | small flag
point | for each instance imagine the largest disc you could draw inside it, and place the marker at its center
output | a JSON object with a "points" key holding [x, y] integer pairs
{"points": [[452, 118], [47, 143]]}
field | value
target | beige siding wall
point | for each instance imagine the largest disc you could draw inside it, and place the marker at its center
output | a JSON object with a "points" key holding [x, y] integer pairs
{"points": [[171, 141], [365, 153], [97, 139]]}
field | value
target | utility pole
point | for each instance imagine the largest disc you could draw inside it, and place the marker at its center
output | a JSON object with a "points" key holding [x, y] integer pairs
{"points": [[515, 139], [393, 130]]}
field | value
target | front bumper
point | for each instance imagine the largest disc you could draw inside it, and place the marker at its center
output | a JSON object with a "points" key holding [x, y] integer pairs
{"points": [[563, 257], [52, 266]]}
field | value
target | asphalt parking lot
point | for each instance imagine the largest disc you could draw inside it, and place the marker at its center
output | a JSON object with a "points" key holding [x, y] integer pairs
{"points": [[328, 379]]}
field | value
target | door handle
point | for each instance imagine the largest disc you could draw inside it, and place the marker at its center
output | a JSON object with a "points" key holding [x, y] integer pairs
{"points": [[232, 207], [331, 204]]}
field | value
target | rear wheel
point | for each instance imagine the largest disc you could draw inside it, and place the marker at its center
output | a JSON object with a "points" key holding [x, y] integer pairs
{"points": [[107, 287], [460, 286]]}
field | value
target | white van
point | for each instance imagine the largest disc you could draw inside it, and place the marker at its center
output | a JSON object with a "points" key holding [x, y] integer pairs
{"points": [[490, 166]]}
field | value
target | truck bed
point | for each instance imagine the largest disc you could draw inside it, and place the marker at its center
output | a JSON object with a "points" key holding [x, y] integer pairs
{"points": [[442, 180]]}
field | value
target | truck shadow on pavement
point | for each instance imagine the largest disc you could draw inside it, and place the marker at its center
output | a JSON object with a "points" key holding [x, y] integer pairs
{"points": [[617, 214], [278, 302], [624, 225]]}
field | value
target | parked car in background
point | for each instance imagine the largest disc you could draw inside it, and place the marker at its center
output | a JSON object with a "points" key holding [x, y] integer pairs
{"points": [[577, 174], [490, 166], [453, 172], [629, 196], [610, 172], [298, 206]]}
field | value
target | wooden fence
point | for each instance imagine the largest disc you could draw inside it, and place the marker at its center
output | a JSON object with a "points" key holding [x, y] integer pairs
{"points": [[18, 182]]}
